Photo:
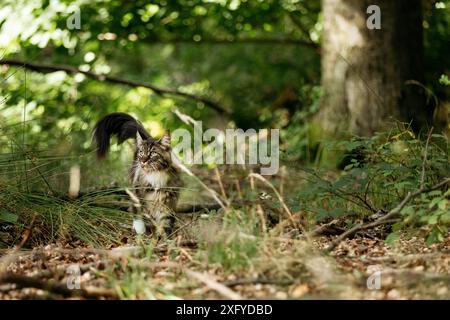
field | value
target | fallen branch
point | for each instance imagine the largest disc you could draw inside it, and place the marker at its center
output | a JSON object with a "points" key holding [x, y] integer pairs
{"points": [[326, 229], [113, 253], [408, 258], [27, 233], [214, 285], [193, 208], [52, 286], [416, 276], [390, 217], [46, 68], [250, 281]]}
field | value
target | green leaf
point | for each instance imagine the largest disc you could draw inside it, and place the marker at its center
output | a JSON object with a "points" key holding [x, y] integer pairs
{"points": [[338, 212], [434, 202], [397, 227], [7, 216], [444, 80], [435, 193], [392, 238], [408, 210], [348, 167], [445, 218], [433, 219], [443, 204]]}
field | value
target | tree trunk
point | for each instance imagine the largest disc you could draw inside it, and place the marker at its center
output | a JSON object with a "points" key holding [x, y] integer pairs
{"points": [[372, 76]]}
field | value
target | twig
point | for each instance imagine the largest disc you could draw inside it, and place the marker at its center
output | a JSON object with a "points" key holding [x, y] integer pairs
{"points": [[52, 286], [248, 281], [192, 208], [219, 180], [410, 257], [211, 191], [46, 68], [12, 254], [27, 233], [325, 228], [388, 218], [238, 188], [280, 198], [259, 209], [416, 276], [111, 253], [213, 284], [178, 163]]}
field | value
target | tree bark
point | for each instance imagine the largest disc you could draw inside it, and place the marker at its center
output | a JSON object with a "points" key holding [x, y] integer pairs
{"points": [[370, 77]]}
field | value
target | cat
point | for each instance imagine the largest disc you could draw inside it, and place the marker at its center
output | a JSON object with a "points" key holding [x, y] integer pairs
{"points": [[153, 175]]}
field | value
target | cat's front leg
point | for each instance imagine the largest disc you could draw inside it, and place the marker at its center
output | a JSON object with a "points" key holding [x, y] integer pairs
{"points": [[163, 222]]}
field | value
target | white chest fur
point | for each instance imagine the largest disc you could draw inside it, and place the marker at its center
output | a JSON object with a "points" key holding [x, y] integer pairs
{"points": [[157, 179]]}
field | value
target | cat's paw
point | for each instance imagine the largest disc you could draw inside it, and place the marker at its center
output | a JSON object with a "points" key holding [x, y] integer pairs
{"points": [[139, 226]]}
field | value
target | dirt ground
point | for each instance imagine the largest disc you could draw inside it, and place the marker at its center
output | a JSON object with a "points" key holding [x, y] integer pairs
{"points": [[410, 270]]}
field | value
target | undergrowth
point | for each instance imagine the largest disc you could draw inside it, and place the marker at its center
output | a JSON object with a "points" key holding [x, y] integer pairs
{"points": [[377, 175]]}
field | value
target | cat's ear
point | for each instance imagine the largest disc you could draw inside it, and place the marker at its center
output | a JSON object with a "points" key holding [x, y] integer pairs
{"points": [[165, 139], [139, 139]]}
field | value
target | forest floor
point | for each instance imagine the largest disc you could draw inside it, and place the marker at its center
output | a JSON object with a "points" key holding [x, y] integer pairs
{"points": [[220, 255]]}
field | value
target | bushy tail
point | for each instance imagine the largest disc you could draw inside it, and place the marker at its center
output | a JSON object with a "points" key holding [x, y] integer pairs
{"points": [[120, 124]]}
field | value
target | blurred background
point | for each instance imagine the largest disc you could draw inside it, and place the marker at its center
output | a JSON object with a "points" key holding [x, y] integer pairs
{"points": [[258, 62]]}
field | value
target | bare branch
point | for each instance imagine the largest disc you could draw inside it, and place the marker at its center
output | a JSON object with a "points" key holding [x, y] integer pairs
{"points": [[234, 40], [390, 217], [22, 281], [213, 284], [46, 68], [252, 281]]}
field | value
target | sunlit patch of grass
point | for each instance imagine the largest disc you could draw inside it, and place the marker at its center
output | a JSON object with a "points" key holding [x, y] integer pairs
{"points": [[232, 251], [33, 187], [136, 280], [133, 284], [59, 219], [231, 245]]}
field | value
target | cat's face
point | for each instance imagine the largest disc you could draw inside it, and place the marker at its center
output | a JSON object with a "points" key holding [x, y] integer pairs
{"points": [[153, 154]]}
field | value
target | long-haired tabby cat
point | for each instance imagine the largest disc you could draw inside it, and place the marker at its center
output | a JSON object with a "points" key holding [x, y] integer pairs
{"points": [[153, 174]]}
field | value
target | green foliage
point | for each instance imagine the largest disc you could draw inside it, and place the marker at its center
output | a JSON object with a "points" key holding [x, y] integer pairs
{"points": [[379, 172], [444, 80], [232, 251], [432, 209], [163, 40], [436, 30]]}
